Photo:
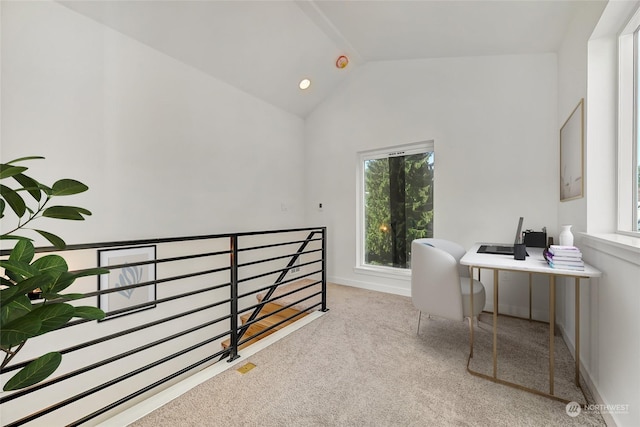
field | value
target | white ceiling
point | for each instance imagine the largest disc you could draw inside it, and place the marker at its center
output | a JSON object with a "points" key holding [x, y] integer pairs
{"points": [[266, 47]]}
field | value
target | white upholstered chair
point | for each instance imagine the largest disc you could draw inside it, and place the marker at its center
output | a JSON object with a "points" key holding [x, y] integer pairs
{"points": [[440, 285]]}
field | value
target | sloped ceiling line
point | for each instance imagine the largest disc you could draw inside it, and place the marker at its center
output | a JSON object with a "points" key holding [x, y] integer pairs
{"points": [[264, 48]]}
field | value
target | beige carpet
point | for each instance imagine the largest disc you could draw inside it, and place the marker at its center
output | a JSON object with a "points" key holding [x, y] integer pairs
{"points": [[362, 364]]}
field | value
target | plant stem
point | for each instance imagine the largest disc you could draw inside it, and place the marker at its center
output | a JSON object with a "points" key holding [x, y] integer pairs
{"points": [[31, 218], [11, 354]]}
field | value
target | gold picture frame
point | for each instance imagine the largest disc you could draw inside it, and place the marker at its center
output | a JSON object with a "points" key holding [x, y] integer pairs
{"points": [[572, 155]]}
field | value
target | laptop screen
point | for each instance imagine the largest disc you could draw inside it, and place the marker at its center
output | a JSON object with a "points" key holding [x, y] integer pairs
{"points": [[519, 232]]}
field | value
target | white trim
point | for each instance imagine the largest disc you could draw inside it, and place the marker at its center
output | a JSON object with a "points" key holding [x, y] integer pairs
{"points": [[156, 401], [379, 153], [586, 376], [386, 272], [621, 246], [633, 22], [387, 289], [627, 140]]}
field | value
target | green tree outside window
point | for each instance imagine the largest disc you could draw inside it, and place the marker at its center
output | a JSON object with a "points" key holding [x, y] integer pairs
{"points": [[398, 207]]}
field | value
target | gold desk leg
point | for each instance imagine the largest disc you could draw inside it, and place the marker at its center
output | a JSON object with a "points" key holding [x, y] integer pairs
{"points": [[552, 316], [495, 323], [530, 293], [577, 309], [552, 323], [471, 314]]}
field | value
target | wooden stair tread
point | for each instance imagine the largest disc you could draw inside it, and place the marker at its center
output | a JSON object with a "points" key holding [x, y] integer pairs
{"points": [[284, 301], [272, 320], [273, 306], [252, 330]]}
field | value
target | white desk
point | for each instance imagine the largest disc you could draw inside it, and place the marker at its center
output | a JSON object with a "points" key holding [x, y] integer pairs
{"points": [[534, 263]]}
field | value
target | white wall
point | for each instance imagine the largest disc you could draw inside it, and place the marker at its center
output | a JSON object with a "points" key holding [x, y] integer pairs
{"points": [[609, 346], [165, 149], [494, 122], [504, 112], [572, 78]]}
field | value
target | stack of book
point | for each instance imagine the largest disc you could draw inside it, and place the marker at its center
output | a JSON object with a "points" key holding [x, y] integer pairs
{"points": [[564, 257]]}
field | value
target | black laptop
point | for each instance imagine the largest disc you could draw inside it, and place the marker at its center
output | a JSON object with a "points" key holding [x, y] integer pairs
{"points": [[502, 249]]}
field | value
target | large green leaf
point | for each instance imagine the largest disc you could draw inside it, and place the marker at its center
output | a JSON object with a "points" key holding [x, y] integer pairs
{"points": [[67, 187], [14, 200], [60, 284], [9, 170], [91, 313], [29, 184], [18, 270], [52, 316], [3, 204], [34, 372], [16, 308], [66, 212], [22, 159], [23, 251], [66, 279], [53, 239], [53, 265], [23, 287], [19, 330]]}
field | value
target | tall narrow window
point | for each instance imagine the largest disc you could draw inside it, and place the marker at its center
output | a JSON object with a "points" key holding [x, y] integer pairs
{"points": [[636, 105], [397, 203], [629, 126]]}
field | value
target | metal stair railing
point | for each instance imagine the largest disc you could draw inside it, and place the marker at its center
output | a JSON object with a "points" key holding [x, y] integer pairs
{"points": [[148, 349], [236, 341]]}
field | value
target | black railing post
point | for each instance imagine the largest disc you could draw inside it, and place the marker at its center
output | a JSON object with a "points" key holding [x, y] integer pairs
{"points": [[233, 348], [324, 269], [275, 285]]}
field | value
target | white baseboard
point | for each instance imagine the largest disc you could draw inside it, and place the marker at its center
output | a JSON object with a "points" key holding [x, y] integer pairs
{"points": [[511, 310], [608, 419], [388, 289], [154, 402]]}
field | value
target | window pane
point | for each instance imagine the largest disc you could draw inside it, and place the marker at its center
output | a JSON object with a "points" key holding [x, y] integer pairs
{"points": [[398, 204], [637, 130]]}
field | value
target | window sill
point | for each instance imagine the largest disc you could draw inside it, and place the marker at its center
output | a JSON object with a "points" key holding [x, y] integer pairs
{"points": [[625, 247], [387, 272]]}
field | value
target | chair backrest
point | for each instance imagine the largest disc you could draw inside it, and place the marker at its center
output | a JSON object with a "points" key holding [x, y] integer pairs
{"points": [[435, 281], [453, 248]]}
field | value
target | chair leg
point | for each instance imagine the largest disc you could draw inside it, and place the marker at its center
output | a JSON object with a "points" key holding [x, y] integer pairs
{"points": [[419, 317]]}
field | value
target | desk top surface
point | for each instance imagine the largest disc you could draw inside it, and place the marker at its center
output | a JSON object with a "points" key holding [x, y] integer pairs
{"points": [[535, 263]]}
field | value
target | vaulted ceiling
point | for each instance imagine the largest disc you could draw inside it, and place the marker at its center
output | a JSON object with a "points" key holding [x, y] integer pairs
{"points": [[266, 47]]}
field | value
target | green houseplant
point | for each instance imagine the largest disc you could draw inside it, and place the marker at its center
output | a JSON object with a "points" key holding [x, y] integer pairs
{"points": [[21, 316]]}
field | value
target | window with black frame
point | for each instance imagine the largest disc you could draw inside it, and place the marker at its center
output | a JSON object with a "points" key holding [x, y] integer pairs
{"points": [[397, 204]]}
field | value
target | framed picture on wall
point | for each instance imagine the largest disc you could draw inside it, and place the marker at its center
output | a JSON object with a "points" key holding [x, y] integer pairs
{"points": [[128, 267], [572, 155]]}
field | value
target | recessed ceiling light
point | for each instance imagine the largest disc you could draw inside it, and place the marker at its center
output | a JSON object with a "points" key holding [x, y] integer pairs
{"points": [[304, 84]]}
